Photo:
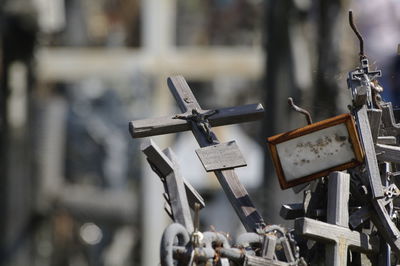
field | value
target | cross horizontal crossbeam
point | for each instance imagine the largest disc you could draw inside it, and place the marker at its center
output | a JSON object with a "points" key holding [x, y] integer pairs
{"points": [[170, 124]]}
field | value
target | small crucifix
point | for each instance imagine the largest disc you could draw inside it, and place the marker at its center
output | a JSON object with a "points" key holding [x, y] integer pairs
{"points": [[200, 121]]}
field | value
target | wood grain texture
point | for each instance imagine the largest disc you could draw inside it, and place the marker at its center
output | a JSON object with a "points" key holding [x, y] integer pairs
{"points": [[221, 156], [169, 124], [157, 126], [370, 155], [182, 93], [156, 157], [338, 199], [374, 116], [338, 214], [192, 195], [240, 200], [177, 194]]}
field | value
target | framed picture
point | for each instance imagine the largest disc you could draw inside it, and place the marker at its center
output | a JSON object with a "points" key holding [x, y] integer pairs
{"points": [[314, 151]]}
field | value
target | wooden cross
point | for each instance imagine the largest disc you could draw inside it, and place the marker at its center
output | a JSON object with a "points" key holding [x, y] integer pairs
{"points": [[371, 163], [178, 191], [200, 121], [335, 232]]}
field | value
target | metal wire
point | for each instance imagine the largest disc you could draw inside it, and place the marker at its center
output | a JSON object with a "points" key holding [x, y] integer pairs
{"points": [[300, 110]]}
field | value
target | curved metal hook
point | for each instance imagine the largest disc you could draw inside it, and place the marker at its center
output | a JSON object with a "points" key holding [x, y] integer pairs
{"points": [[300, 110], [360, 38]]}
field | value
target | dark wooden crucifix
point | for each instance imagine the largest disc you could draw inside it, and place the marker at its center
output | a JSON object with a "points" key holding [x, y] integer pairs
{"points": [[200, 121]]}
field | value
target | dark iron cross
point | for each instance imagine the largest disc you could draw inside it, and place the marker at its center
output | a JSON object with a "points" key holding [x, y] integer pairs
{"points": [[200, 121]]}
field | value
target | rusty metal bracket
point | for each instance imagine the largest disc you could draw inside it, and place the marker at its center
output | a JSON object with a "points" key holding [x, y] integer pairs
{"points": [[360, 38]]}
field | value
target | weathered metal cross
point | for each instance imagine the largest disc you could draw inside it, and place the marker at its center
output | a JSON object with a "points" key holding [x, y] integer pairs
{"points": [[200, 121], [336, 232]]}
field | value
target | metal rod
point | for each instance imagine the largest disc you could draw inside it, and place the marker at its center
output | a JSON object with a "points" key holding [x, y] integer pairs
{"points": [[300, 110], [360, 38], [196, 219]]}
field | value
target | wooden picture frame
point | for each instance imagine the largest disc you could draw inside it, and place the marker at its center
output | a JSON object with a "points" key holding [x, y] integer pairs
{"points": [[307, 153]]}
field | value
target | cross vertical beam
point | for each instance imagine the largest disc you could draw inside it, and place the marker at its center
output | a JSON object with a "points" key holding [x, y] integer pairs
{"points": [[370, 155], [235, 191], [338, 214]]}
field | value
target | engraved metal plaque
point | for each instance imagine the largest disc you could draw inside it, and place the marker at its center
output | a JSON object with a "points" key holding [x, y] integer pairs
{"points": [[221, 156]]}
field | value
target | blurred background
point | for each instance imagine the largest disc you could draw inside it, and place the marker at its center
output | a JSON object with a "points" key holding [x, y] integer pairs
{"points": [[74, 187]]}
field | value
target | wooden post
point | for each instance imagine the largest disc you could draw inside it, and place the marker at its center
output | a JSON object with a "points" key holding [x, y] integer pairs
{"points": [[338, 214]]}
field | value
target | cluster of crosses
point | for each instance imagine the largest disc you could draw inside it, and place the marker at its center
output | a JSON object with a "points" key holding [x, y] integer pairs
{"points": [[344, 213]]}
